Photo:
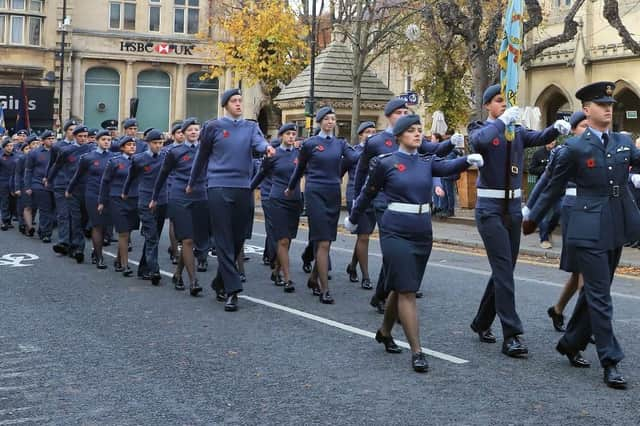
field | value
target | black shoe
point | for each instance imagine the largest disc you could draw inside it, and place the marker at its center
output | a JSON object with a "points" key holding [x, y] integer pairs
{"points": [[127, 272], [213, 252], [557, 319], [31, 232], [613, 378], [575, 358], [289, 287], [118, 266], [178, 284], [277, 279], [306, 266], [195, 288], [514, 348], [353, 275], [218, 287], [485, 336], [314, 287], [94, 257], [62, 249], [100, 264], [87, 233], [419, 295], [326, 298], [46, 240], [378, 304], [146, 276], [419, 362], [106, 242], [155, 278], [4, 227], [22, 229], [79, 256], [389, 345], [243, 277], [266, 261], [366, 284], [231, 304], [203, 265], [129, 247]]}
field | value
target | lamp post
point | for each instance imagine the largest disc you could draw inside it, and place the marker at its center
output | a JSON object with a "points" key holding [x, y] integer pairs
{"points": [[63, 29], [309, 107]]}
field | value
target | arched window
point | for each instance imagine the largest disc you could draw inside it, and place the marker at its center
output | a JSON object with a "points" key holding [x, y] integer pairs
{"points": [[154, 94], [202, 97], [101, 96]]}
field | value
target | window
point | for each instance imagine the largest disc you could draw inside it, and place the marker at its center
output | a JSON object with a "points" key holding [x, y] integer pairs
{"points": [[202, 97], [129, 16], [17, 30], [3, 4], [17, 4], [122, 15], [34, 30], [186, 16], [22, 29], [154, 18], [3, 28], [35, 5], [154, 93]]}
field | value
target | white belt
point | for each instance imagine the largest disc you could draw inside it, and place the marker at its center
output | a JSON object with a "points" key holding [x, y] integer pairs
{"points": [[409, 208], [499, 193], [571, 192]]}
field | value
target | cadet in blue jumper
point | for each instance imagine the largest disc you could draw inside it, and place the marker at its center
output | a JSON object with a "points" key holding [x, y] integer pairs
{"points": [[367, 221], [226, 147], [63, 218], [188, 211], [568, 260], [89, 175], [35, 173], [177, 137], [24, 201], [130, 126], [284, 210], [145, 168], [320, 159], [603, 219], [7, 175], [498, 213], [406, 178], [123, 210]]}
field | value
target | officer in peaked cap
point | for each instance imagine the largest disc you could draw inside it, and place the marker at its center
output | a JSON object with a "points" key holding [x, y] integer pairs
{"points": [[603, 219]]}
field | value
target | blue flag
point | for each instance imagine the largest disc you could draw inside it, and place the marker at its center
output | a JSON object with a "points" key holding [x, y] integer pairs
{"points": [[22, 120], [509, 57], [3, 127]]}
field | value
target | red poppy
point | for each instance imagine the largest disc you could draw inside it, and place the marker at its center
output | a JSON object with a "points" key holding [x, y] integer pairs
{"points": [[121, 166], [96, 163], [72, 158], [388, 142], [401, 167], [42, 157], [186, 158], [225, 133], [147, 169], [320, 148], [495, 142], [295, 161], [591, 163]]}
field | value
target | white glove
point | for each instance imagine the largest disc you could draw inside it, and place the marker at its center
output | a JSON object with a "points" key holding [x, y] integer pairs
{"points": [[525, 213], [457, 140], [635, 180], [511, 115], [475, 160], [351, 227], [562, 126]]}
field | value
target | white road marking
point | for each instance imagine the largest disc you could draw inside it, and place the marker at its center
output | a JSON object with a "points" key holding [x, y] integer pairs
{"points": [[13, 410], [23, 420], [17, 388], [16, 374]]}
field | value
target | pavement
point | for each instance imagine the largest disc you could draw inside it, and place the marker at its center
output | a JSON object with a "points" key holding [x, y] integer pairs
{"points": [[90, 347]]}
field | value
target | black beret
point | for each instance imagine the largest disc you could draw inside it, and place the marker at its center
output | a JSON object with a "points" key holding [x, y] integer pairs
{"points": [[123, 140], [102, 133], [176, 127], [600, 92], [322, 112], [153, 135], [366, 125], [129, 122], [80, 129], [22, 132], [228, 94], [46, 134], [111, 124], [93, 131], [69, 123], [286, 127], [404, 123], [189, 122], [393, 105], [490, 93]]}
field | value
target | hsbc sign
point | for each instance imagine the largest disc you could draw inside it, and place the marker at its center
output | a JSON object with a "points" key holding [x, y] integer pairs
{"points": [[158, 48]]}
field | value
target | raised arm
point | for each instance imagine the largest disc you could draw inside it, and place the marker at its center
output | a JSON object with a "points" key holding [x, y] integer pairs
{"points": [[441, 167]]}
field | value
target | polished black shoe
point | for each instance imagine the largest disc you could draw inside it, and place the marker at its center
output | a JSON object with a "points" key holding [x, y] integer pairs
{"points": [[378, 304], [178, 284], [4, 227], [155, 278], [94, 257], [419, 362], [127, 272], [106, 242], [326, 298], [203, 265], [613, 378], [353, 275], [46, 240], [289, 287], [366, 284], [419, 295], [195, 288], [514, 348], [79, 256], [306, 266], [218, 287], [575, 358], [485, 336], [146, 276], [277, 279], [22, 229], [100, 264], [117, 266], [231, 304], [314, 287], [129, 247], [62, 249], [557, 319], [266, 261], [243, 277], [388, 342], [31, 232]]}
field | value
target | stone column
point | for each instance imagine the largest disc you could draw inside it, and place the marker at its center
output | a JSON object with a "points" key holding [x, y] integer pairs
{"points": [[77, 94], [180, 95], [127, 92]]}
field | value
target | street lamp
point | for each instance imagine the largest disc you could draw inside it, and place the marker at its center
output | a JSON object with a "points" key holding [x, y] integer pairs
{"points": [[63, 28], [309, 105]]}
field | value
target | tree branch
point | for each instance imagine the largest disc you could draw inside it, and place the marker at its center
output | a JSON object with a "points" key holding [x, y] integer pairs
{"points": [[453, 18], [535, 15], [611, 13]]}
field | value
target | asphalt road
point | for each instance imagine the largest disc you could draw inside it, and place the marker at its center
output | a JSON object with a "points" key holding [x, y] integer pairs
{"points": [[82, 346]]}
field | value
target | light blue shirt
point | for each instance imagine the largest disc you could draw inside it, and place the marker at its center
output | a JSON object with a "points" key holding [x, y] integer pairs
{"points": [[404, 151], [324, 135], [599, 134]]}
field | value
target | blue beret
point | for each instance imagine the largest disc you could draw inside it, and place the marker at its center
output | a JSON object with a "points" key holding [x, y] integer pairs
{"points": [[93, 131], [46, 134], [393, 105], [23, 146], [576, 118], [600, 92], [102, 133], [22, 132], [147, 130], [69, 123], [189, 122], [366, 125], [129, 122], [404, 123], [322, 112], [153, 135], [31, 139], [80, 129], [6, 141], [489, 93], [124, 140], [286, 127], [228, 94]]}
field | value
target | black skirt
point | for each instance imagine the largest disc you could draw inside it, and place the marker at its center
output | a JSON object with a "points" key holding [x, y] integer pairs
{"points": [[95, 218], [284, 217], [323, 210], [124, 214], [404, 261]]}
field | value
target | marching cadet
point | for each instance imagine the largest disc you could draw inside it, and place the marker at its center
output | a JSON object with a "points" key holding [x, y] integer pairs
{"points": [[320, 159], [177, 137], [188, 211], [90, 170], [66, 164], [284, 211], [498, 212], [130, 126], [262, 180], [123, 210], [406, 179], [91, 136], [34, 174], [603, 219], [144, 169], [226, 147], [59, 185], [7, 174], [568, 261], [367, 220], [24, 200]]}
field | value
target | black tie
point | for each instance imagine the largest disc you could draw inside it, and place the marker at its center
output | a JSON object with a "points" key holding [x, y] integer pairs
{"points": [[155, 155], [605, 140]]}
